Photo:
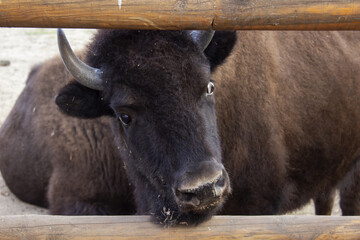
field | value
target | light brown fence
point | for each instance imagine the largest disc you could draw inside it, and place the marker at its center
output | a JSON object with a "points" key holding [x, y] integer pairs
{"points": [[183, 14], [140, 227]]}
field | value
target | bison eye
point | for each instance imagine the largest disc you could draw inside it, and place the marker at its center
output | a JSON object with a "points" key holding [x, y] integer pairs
{"points": [[210, 89], [125, 119]]}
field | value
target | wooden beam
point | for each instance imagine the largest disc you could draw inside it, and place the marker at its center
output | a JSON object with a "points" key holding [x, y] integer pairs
{"points": [[140, 227], [181, 14]]}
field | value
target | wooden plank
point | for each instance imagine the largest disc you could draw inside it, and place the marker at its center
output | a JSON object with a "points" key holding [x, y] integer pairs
{"points": [[289, 15], [183, 14], [140, 227]]}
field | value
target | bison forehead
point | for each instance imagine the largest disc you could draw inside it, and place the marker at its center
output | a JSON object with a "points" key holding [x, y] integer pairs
{"points": [[166, 78], [160, 85], [150, 60]]}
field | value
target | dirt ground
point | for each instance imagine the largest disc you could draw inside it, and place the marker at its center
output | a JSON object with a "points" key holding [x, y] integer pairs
{"points": [[20, 49]]}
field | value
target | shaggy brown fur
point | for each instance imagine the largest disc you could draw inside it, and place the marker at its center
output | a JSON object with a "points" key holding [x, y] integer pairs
{"points": [[287, 111]]}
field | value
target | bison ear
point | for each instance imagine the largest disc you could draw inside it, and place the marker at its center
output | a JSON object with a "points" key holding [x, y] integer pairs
{"points": [[79, 101], [220, 47]]}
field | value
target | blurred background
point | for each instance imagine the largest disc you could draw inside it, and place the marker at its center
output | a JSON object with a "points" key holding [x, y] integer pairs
{"points": [[20, 50]]}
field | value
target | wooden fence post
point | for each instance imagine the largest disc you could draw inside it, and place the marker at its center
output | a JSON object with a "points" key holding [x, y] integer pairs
{"points": [[140, 227], [190, 14]]}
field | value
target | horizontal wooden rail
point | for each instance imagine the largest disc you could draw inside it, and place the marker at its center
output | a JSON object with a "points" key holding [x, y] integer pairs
{"points": [[140, 227], [183, 14]]}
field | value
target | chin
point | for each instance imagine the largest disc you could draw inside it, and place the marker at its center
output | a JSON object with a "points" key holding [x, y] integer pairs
{"points": [[176, 217]]}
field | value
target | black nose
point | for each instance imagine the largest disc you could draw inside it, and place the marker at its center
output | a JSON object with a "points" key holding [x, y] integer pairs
{"points": [[202, 189]]}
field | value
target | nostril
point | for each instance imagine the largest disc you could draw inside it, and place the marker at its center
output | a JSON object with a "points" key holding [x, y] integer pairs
{"points": [[202, 189], [220, 182], [187, 197]]}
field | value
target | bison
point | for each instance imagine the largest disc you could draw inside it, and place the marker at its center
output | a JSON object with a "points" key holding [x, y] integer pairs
{"points": [[139, 131]]}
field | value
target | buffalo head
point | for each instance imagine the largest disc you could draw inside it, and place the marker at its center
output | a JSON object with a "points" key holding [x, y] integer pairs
{"points": [[156, 86]]}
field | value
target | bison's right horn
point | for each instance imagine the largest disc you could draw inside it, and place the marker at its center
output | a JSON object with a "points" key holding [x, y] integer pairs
{"points": [[202, 38], [84, 74]]}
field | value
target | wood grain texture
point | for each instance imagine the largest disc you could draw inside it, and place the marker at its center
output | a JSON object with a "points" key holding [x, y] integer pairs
{"points": [[139, 227], [183, 14]]}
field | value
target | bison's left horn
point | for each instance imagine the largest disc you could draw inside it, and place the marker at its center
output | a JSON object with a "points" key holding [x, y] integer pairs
{"points": [[202, 38], [88, 76]]}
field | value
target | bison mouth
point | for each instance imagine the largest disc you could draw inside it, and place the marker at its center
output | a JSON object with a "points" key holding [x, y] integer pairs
{"points": [[192, 206], [168, 217]]}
